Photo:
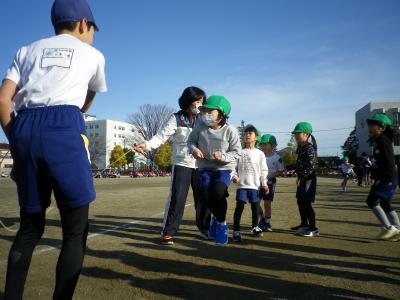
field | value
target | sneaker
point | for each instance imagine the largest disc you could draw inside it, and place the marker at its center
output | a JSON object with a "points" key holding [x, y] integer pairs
{"points": [[167, 240], [212, 231], [299, 227], [310, 232], [268, 227], [237, 237], [205, 236], [262, 224], [388, 234], [222, 235], [257, 231]]}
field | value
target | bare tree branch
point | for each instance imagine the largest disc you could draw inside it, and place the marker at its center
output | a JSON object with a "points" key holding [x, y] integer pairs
{"points": [[149, 120]]}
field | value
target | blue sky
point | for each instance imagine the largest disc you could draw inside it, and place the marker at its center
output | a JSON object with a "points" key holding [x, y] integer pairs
{"points": [[278, 62]]}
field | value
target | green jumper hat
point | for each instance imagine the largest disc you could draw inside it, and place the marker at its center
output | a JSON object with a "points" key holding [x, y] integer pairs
{"points": [[268, 139], [380, 119], [303, 127], [220, 103]]}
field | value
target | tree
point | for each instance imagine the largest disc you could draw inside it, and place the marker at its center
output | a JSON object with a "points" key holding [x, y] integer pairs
{"points": [[289, 160], [148, 121], [350, 146], [130, 156], [117, 159], [163, 158]]}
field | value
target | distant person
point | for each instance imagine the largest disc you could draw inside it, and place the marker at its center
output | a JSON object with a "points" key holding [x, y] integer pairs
{"points": [[184, 169], [366, 168], [216, 146], [251, 174], [50, 83], [384, 174], [306, 179], [275, 165], [347, 171]]}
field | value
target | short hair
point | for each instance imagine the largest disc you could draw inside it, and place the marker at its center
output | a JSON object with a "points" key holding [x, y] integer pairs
{"points": [[70, 26]]}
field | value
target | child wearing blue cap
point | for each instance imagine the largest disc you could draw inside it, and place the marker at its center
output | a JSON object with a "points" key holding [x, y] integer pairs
{"points": [[49, 84], [216, 146]]}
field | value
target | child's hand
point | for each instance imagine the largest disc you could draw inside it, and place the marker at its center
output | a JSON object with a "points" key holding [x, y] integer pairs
{"points": [[266, 190], [218, 155], [197, 154], [235, 179], [141, 148], [298, 182]]}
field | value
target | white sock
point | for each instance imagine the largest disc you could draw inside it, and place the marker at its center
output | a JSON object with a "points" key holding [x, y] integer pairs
{"points": [[222, 223], [268, 220]]}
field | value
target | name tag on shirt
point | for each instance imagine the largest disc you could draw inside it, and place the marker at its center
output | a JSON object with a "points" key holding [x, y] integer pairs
{"points": [[57, 57]]}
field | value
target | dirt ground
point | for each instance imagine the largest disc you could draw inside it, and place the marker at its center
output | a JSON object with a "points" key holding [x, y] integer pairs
{"points": [[124, 259]]}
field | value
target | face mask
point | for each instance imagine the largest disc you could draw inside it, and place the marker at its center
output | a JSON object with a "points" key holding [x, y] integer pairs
{"points": [[208, 119], [196, 110]]}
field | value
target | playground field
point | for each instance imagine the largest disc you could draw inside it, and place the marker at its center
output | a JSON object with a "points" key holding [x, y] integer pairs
{"points": [[124, 259]]}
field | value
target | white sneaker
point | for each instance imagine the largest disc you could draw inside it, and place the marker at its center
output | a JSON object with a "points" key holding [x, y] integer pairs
{"points": [[257, 231], [310, 232], [388, 234]]}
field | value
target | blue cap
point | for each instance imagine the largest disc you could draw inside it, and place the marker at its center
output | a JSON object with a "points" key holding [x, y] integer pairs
{"points": [[71, 11]]}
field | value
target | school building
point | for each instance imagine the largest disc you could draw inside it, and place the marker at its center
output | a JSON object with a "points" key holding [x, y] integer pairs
{"points": [[104, 135], [6, 161], [390, 108]]}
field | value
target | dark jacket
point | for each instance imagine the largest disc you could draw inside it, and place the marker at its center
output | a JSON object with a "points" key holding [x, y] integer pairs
{"points": [[306, 161], [384, 168]]}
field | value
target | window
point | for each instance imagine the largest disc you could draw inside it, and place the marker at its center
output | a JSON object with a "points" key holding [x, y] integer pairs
{"points": [[395, 118], [119, 135], [119, 127], [91, 126], [115, 135], [91, 135], [96, 134], [115, 144], [123, 128], [115, 126], [96, 126]]}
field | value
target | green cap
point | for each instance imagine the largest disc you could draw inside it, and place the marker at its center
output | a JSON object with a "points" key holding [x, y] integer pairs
{"points": [[218, 102], [268, 139], [303, 127], [381, 118], [345, 158]]}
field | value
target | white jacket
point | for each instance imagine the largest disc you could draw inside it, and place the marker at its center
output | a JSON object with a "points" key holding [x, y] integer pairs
{"points": [[177, 131]]}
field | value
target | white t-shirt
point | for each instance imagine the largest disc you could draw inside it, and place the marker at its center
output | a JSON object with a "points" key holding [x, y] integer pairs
{"points": [[56, 71], [275, 164], [251, 169]]}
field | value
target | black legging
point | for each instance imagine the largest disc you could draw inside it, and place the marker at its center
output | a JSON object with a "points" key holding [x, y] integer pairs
{"points": [[75, 229], [307, 213], [215, 198], [255, 210]]}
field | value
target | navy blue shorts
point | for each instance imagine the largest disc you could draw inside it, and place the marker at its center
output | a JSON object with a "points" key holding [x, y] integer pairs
{"points": [[247, 195], [50, 156], [270, 196], [384, 191], [209, 177], [307, 190]]}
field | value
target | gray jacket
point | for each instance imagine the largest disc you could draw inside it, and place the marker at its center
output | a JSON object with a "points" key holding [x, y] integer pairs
{"points": [[207, 140]]}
